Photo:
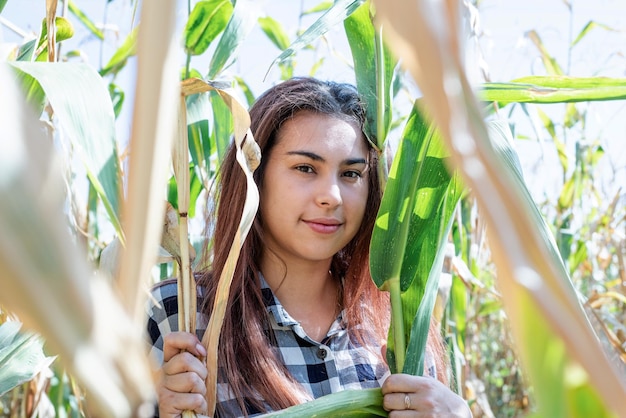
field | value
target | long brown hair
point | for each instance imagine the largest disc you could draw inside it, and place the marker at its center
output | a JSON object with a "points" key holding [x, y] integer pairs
{"points": [[248, 362]]}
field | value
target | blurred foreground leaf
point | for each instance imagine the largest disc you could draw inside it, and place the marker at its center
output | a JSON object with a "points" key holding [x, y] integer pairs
{"points": [[45, 279], [560, 350], [21, 356], [82, 105]]}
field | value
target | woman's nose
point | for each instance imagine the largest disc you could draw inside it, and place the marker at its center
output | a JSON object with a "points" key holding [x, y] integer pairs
{"points": [[328, 193]]}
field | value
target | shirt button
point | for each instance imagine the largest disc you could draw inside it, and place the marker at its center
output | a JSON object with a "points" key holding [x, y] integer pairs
{"points": [[321, 353]]}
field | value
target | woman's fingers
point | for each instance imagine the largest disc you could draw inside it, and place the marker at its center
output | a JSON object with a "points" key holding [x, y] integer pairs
{"points": [[399, 401], [172, 404], [400, 382], [181, 386], [185, 383], [405, 395], [175, 342], [185, 362]]}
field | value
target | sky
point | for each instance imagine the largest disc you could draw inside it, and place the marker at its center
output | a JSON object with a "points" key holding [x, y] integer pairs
{"points": [[501, 47]]}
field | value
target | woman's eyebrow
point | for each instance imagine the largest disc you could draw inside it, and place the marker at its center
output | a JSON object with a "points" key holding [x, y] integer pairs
{"points": [[354, 161], [307, 154], [316, 157]]}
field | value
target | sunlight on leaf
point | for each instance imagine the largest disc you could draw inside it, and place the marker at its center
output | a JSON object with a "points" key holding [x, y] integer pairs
{"points": [[84, 110], [207, 20], [332, 17], [242, 21]]}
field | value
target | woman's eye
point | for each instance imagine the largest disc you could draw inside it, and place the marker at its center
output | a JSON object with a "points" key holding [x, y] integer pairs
{"points": [[353, 174], [304, 168]]}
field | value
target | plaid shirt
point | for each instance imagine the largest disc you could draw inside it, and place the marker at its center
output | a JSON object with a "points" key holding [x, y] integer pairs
{"points": [[336, 363]]}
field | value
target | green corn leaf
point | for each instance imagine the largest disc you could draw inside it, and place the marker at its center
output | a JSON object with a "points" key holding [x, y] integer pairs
{"points": [[64, 30], [275, 32], [411, 227], [21, 356], [426, 294], [561, 81], [202, 141], [83, 107], [458, 306], [320, 7], [374, 68], [489, 307], [200, 147], [223, 127], [242, 21], [348, 403], [26, 50], [35, 95], [2, 4], [207, 20], [588, 28], [125, 51], [549, 62], [84, 19], [117, 97], [418, 181], [558, 89], [332, 17], [92, 211], [195, 187], [247, 92], [198, 107]]}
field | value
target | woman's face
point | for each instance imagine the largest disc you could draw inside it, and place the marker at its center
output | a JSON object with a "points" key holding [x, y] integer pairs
{"points": [[315, 188]]}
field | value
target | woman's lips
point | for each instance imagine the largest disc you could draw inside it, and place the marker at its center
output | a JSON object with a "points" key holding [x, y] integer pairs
{"points": [[323, 227]]}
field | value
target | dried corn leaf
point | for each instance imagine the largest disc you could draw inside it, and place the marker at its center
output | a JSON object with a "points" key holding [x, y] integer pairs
{"points": [[248, 157], [153, 131]]}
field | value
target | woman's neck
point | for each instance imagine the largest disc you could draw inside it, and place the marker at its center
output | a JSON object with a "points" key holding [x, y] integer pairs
{"points": [[307, 291]]}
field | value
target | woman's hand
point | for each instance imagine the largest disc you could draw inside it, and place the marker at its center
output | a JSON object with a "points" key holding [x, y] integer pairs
{"points": [[418, 396], [181, 385]]}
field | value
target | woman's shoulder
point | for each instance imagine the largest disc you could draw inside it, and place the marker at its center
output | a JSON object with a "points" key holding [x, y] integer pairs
{"points": [[162, 311], [164, 291], [162, 308]]}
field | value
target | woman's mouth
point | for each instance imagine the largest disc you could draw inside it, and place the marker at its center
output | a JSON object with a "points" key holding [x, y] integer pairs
{"points": [[323, 227]]}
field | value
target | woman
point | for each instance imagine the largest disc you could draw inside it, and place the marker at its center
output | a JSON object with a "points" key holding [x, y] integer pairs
{"points": [[304, 318]]}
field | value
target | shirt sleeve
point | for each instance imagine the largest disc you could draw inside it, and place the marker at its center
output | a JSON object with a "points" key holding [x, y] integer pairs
{"points": [[162, 316]]}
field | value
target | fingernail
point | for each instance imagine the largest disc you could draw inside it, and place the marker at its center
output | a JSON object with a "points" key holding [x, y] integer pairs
{"points": [[201, 350]]}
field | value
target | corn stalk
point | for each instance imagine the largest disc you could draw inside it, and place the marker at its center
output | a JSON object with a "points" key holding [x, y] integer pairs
{"points": [[186, 283], [248, 157]]}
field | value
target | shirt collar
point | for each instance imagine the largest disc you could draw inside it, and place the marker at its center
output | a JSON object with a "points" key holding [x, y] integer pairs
{"points": [[282, 317]]}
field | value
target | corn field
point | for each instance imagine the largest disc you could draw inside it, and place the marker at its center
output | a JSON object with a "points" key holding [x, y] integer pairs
{"points": [[113, 123]]}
